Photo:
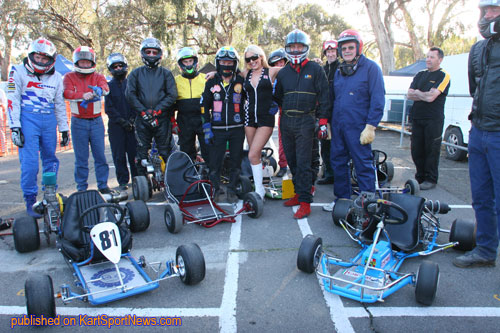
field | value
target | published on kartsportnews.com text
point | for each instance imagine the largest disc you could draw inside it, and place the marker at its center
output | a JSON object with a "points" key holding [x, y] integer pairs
{"points": [[100, 320]]}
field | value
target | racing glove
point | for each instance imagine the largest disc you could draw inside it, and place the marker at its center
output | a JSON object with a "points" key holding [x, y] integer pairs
{"points": [[368, 135], [209, 135], [64, 139], [323, 129], [125, 124], [97, 91], [175, 126], [17, 137], [147, 115]]}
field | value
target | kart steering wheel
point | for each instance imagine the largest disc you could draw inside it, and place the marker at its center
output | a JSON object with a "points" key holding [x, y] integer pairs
{"points": [[379, 157], [101, 205], [192, 178], [267, 152], [380, 208]]}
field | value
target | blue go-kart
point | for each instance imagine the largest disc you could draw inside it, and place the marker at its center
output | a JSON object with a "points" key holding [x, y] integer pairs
{"points": [[96, 245], [389, 232]]}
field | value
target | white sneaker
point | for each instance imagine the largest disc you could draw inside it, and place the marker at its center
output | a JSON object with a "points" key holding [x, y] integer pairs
{"points": [[329, 207]]}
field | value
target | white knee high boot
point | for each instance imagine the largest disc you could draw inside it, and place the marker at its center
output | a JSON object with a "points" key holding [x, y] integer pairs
{"points": [[257, 179]]}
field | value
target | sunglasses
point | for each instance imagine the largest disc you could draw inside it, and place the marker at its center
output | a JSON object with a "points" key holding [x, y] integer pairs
{"points": [[350, 48], [254, 58]]}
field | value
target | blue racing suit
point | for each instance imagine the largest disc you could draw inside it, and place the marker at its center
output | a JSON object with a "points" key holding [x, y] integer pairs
{"points": [[36, 105], [358, 100]]}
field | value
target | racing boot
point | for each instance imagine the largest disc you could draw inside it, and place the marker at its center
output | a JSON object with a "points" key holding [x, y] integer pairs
{"points": [[257, 179], [30, 201], [303, 211], [293, 201]]}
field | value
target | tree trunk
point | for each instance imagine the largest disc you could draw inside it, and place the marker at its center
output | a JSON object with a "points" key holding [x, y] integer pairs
{"points": [[5, 60], [410, 26]]}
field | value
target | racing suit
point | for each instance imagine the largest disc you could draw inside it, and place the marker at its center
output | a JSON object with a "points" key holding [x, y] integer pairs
{"points": [[152, 89], [358, 100], [36, 105], [222, 106], [330, 69], [87, 127], [302, 93]]}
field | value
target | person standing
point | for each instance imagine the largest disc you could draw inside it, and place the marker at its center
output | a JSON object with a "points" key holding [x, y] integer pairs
{"points": [[35, 108], [302, 92], [484, 138], [428, 90], [151, 92], [84, 88], [358, 106], [121, 121]]}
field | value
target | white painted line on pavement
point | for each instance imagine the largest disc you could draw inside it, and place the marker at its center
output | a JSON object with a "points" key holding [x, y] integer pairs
{"points": [[321, 204], [338, 315], [425, 312]]}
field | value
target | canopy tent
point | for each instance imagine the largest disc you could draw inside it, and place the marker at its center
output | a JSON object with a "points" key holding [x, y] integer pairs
{"points": [[63, 65], [410, 70]]}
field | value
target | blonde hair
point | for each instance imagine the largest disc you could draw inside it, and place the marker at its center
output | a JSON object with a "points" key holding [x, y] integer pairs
{"points": [[256, 50]]}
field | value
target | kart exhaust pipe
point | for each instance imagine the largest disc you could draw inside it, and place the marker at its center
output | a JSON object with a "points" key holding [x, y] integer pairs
{"points": [[115, 196], [437, 207]]}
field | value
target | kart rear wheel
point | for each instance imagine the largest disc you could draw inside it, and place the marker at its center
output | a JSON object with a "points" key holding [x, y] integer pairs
{"points": [[412, 187], [388, 168], [39, 294], [243, 187], [341, 210], [140, 188], [26, 234], [139, 215], [256, 204], [173, 218], [463, 232], [191, 263], [427, 282], [310, 252]]}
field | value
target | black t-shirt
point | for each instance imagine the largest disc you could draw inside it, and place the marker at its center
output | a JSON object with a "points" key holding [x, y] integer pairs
{"points": [[425, 81]]}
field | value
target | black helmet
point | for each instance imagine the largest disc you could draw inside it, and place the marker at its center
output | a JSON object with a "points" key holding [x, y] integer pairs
{"points": [[276, 56], [491, 27], [186, 53], [151, 60], [226, 53], [114, 59], [297, 37]]}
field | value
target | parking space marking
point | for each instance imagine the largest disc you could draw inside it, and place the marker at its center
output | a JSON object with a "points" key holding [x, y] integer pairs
{"points": [[321, 204], [425, 312]]}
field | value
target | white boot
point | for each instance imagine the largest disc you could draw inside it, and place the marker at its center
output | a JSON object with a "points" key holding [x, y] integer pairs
{"points": [[257, 179]]}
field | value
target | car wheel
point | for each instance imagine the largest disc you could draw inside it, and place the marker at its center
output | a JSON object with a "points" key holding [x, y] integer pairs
{"points": [[454, 136]]}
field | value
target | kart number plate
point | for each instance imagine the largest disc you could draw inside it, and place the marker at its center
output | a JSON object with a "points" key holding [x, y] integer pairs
{"points": [[106, 237]]}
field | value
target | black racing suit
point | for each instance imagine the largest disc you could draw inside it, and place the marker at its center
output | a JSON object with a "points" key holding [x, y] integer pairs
{"points": [[222, 106], [152, 89], [302, 93], [325, 144]]}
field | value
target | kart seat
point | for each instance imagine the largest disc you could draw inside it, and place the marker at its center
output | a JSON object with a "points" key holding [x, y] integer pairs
{"points": [[180, 174], [74, 241]]}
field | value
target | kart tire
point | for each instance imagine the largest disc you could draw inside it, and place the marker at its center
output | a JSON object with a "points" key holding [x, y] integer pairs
{"points": [[191, 263], [454, 135], [39, 294], [388, 168], [256, 204], [139, 215], [427, 282], [341, 210], [26, 234], [310, 252], [273, 164], [463, 232], [140, 188], [243, 187], [173, 218], [412, 186]]}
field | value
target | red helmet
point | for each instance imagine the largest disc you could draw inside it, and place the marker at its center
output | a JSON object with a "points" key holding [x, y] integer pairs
{"points": [[350, 35], [84, 53], [329, 45], [43, 47]]}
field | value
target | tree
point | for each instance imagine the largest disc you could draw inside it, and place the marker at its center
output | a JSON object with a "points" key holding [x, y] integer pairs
{"points": [[12, 14]]}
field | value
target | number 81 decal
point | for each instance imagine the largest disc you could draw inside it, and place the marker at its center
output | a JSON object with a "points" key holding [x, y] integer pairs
{"points": [[106, 237]]}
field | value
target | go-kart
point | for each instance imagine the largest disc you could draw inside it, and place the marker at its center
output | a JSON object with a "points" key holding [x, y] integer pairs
{"points": [[389, 232], [25, 229], [96, 244], [190, 197], [144, 186]]}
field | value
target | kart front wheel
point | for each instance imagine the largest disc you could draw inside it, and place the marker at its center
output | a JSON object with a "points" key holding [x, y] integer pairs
{"points": [[463, 232], [412, 187], [173, 218], [39, 294], [190, 263], [255, 203], [243, 187], [310, 252], [139, 215], [342, 211], [427, 282], [140, 188], [26, 234]]}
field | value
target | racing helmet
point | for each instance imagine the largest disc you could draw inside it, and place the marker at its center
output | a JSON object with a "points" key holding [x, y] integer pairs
{"points": [[226, 53], [151, 60], [84, 53], [329, 45], [491, 27], [276, 56], [297, 37], [43, 47], [117, 58], [186, 53], [350, 35]]}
